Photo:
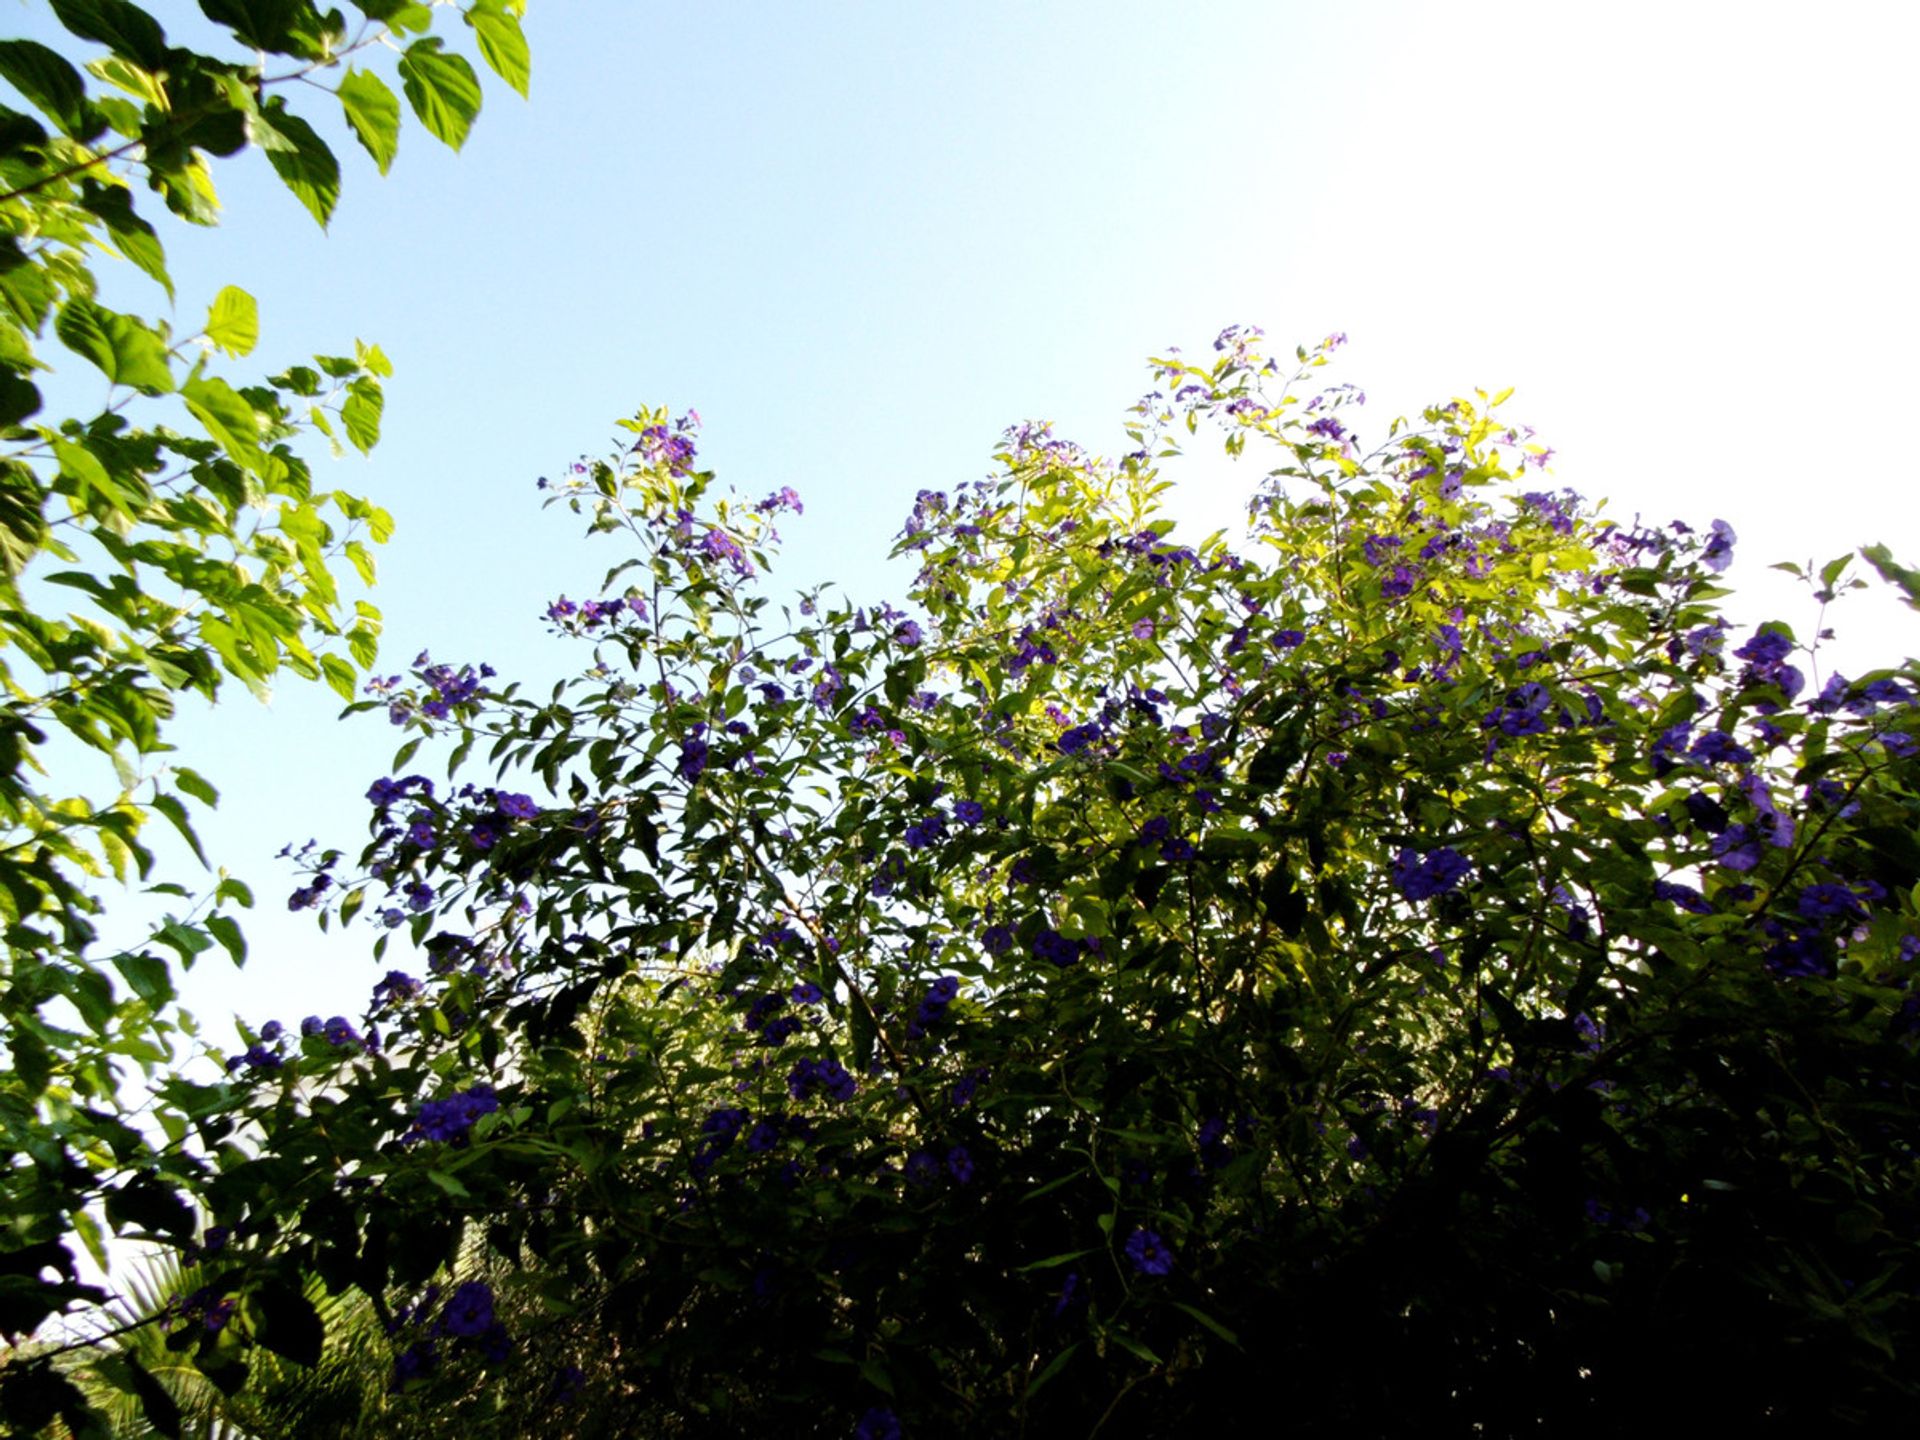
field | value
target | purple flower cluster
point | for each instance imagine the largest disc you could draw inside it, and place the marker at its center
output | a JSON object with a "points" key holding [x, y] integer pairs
{"points": [[925, 832], [591, 614], [1056, 949], [673, 448], [450, 688], [828, 1076], [1421, 877], [451, 1118], [933, 1006], [1766, 656], [1076, 740]]}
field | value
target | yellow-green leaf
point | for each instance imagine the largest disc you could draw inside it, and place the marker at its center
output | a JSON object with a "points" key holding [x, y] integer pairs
{"points": [[233, 323], [373, 111]]}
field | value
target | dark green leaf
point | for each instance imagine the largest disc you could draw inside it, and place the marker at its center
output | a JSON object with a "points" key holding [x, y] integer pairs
{"points": [[289, 1325], [162, 1413], [149, 975], [123, 28], [226, 930], [45, 78]]}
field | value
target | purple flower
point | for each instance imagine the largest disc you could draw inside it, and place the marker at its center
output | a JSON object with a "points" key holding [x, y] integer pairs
{"points": [[516, 807], [907, 634], [1716, 747], [1149, 1253], [419, 896], [960, 1164], [1737, 847], [996, 939], [1142, 629], [878, 1423], [415, 1363], [693, 759], [1685, 896], [338, 1031], [469, 1310], [1056, 949], [1420, 877], [1719, 552], [1079, 738], [1830, 902]]}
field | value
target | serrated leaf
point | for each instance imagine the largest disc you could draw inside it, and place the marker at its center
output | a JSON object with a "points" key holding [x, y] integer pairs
{"points": [[126, 351], [233, 321], [373, 111], [503, 45], [122, 27], [301, 159], [231, 421], [50, 83], [442, 89]]}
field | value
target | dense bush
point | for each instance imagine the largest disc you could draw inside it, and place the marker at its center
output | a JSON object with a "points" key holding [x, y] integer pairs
{"points": [[1415, 971]]}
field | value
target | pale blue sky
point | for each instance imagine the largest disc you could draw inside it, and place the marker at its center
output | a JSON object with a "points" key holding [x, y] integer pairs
{"points": [[862, 239]]}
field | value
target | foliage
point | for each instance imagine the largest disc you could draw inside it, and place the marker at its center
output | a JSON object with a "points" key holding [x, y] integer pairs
{"points": [[1423, 973], [184, 521]]}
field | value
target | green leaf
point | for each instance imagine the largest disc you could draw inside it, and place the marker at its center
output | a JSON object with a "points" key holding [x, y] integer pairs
{"points": [[503, 45], [442, 89], [170, 806], [192, 783], [123, 28], [1894, 573], [149, 975], [1207, 1320], [361, 413], [1066, 1257], [50, 84], [1054, 1367], [126, 352], [373, 110], [301, 159], [226, 930], [233, 322], [232, 422]]}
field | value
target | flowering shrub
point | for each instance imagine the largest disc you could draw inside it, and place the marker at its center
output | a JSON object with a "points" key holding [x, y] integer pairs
{"points": [[1411, 964]]}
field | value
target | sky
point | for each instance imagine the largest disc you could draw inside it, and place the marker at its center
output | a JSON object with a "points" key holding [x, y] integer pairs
{"points": [[862, 239]]}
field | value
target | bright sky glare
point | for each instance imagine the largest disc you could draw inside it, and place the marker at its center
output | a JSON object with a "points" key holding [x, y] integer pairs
{"points": [[864, 238]]}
